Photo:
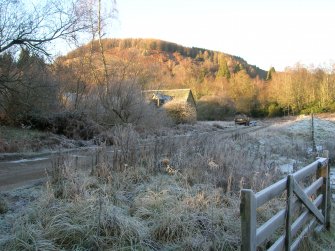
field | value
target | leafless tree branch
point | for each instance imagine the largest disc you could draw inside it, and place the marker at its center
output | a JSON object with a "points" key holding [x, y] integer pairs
{"points": [[23, 24]]}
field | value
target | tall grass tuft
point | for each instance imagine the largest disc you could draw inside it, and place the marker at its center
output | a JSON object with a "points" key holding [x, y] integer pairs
{"points": [[3, 204]]}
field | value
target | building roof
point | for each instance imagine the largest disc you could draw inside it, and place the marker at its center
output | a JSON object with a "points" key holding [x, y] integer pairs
{"points": [[176, 94]]}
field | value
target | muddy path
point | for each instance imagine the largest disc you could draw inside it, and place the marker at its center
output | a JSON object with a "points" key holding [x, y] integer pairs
{"points": [[21, 170], [34, 170], [15, 174]]}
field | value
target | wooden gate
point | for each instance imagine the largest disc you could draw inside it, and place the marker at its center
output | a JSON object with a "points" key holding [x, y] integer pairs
{"points": [[295, 219]]}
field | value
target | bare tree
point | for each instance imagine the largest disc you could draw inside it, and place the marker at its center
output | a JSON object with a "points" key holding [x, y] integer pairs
{"points": [[100, 15], [26, 85], [24, 24]]}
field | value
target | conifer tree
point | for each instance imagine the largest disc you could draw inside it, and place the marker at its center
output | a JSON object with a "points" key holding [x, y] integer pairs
{"points": [[223, 71], [270, 72]]}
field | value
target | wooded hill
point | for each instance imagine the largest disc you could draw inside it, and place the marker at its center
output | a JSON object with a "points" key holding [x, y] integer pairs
{"points": [[172, 54], [222, 84], [103, 80], [155, 64]]}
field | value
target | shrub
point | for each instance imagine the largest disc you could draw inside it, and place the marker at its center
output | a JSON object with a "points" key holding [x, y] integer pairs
{"points": [[331, 107], [73, 125], [215, 108], [181, 112], [274, 110]]}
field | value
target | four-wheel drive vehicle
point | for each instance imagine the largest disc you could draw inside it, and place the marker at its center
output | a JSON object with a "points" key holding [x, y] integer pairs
{"points": [[242, 119]]}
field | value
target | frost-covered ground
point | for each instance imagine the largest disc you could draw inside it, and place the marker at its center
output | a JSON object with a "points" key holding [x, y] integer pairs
{"points": [[196, 207], [324, 129], [290, 142], [295, 135]]}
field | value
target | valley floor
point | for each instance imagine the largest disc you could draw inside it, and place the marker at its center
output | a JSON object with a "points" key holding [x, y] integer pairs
{"points": [[175, 190]]}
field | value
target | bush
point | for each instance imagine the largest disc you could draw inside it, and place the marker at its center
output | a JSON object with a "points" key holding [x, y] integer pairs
{"points": [[74, 125], [274, 110], [215, 108], [181, 112], [70, 124], [316, 108], [311, 110], [331, 107]]}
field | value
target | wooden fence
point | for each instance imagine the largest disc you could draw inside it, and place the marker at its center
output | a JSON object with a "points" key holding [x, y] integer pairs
{"points": [[294, 219]]}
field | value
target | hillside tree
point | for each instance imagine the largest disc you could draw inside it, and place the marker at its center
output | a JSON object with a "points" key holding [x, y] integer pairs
{"points": [[223, 71], [243, 92], [270, 73]]}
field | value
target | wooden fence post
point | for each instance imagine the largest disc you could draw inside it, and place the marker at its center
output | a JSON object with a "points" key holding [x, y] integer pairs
{"points": [[253, 236], [289, 203], [328, 193], [248, 220], [313, 136], [323, 172]]}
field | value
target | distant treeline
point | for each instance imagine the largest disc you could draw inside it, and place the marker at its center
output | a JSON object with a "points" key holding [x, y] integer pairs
{"points": [[151, 44], [108, 89], [199, 54]]}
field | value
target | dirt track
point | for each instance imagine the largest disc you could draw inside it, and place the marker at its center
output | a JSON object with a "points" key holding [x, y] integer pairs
{"points": [[21, 172], [13, 174]]}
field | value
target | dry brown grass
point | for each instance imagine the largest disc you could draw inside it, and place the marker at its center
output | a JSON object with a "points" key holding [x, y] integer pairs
{"points": [[13, 140], [3, 204], [321, 241], [129, 201]]}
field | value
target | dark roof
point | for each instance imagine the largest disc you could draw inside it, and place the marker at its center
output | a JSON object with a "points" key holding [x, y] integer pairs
{"points": [[176, 94]]}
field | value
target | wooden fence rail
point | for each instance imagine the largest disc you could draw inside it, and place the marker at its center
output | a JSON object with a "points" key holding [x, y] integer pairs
{"points": [[295, 219]]}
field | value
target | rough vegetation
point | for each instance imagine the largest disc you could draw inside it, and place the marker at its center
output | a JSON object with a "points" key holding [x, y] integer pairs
{"points": [[217, 80], [156, 189], [181, 112], [81, 86], [3, 205], [160, 194]]}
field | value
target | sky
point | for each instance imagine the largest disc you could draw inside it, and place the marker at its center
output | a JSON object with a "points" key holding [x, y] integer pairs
{"points": [[265, 33]]}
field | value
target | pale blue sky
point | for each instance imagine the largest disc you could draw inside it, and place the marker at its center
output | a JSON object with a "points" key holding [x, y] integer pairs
{"points": [[266, 33]]}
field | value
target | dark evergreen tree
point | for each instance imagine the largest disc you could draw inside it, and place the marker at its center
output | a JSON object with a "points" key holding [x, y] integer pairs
{"points": [[223, 71], [24, 57], [237, 68], [270, 72]]}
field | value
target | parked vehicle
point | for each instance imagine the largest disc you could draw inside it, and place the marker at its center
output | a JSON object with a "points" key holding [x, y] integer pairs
{"points": [[242, 119]]}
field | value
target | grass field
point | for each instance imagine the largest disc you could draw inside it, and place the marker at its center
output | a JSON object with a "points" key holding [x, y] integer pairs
{"points": [[171, 193], [23, 140]]}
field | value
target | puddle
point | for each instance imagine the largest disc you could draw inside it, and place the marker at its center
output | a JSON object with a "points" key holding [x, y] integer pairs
{"points": [[78, 156], [26, 160]]}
